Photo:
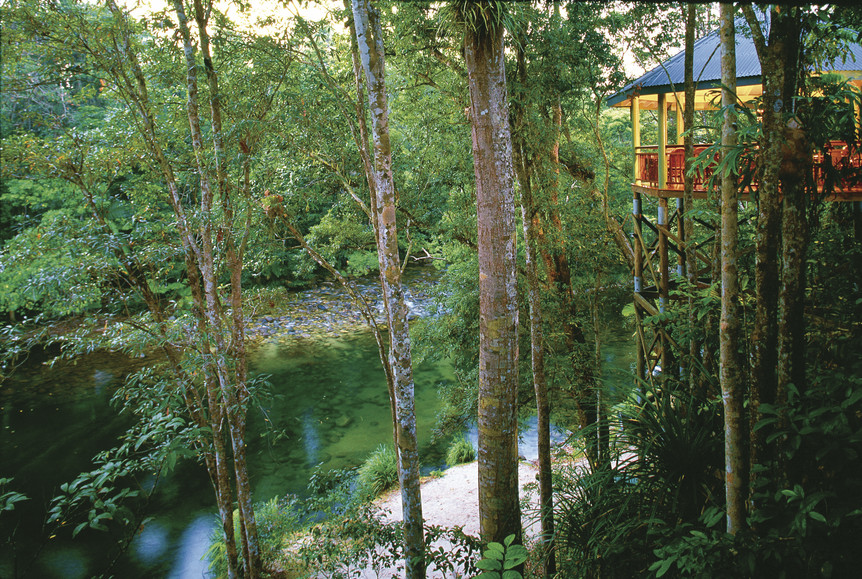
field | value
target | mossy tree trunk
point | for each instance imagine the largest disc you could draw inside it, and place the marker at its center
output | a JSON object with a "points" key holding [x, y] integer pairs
{"points": [[730, 373], [778, 62], [369, 37], [499, 510]]}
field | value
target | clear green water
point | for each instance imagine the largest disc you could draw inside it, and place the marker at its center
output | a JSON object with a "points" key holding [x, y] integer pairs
{"points": [[329, 407]]}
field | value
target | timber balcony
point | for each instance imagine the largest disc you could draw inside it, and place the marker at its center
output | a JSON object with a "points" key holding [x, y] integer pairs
{"points": [[837, 171], [658, 219], [659, 244]]}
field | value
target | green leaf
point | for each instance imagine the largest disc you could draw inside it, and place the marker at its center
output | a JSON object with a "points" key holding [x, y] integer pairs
{"points": [[79, 528], [665, 565], [817, 516], [516, 555], [512, 575], [489, 565]]}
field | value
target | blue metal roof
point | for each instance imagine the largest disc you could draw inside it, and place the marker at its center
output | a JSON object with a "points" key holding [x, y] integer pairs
{"points": [[670, 75]]}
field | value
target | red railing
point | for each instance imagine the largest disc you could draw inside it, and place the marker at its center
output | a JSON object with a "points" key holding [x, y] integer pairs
{"points": [[647, 158], [840, 167]]}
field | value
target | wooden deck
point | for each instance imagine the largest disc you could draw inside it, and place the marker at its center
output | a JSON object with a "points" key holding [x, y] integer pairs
{"points": [[839, 166]]}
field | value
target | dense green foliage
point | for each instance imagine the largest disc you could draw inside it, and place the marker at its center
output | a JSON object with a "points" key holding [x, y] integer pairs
{"points": [[80, 198]]}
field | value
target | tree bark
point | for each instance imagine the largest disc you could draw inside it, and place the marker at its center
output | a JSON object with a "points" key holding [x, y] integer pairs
{"points": [[736, 480], [778, 59], [691, 264], [537, 359], [794, 164], [369, 37], [224, 366], [499, 510]]}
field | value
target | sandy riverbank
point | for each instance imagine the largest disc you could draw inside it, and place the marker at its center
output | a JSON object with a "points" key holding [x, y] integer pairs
{"points": [[453, 499]]}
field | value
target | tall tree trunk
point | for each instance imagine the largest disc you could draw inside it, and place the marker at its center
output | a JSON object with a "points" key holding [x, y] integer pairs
{"points": [[231, 383], [369, 37], [540, 386], [537, 361], [359, 132], [199, 260], [736, 482], [795, 164], [691, 264], [499, 510], [778, 59], [531, 221]]}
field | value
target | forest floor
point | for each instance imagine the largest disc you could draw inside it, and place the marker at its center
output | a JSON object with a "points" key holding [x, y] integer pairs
{"points": [[452, 500]]}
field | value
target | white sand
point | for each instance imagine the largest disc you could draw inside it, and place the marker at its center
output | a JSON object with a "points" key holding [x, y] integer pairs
{"points": [[453, 500]]}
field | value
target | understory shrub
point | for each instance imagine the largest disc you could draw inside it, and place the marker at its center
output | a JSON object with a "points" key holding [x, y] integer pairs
{"points": [[460, 451], [276, 519], [332, 532], [379, 472], [358, 541]]}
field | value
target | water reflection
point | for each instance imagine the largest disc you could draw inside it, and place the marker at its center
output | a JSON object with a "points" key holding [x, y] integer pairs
{"points": [[310, 438], [329, 407], [189, 561], [150, 543], [69, 563]]}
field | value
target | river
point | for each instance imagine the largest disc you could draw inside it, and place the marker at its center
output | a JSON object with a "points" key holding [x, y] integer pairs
{"points": [[328, 409]]}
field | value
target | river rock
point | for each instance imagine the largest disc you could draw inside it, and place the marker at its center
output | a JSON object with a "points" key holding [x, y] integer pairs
{"points": [[343, 421]]}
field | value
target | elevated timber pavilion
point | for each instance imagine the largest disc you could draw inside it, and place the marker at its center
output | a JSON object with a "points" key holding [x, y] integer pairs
{"points": [[659, 174]]}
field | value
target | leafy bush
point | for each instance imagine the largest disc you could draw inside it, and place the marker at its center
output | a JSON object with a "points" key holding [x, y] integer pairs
{"points": [[357, 540], [500, 561], [679, 436], [379, 472], [602, 521], [332, 533], [460, 451]]}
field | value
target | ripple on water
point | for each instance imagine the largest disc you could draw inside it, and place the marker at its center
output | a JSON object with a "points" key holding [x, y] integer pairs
{"points": [[191, 560], [67, 563], [151, 542]]}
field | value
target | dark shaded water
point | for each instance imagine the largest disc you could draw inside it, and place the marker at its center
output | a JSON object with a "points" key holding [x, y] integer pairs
{"points": [[329, 407]]}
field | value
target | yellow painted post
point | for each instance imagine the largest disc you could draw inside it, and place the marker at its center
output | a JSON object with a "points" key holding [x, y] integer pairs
{"points": [[662, 141], [636, 241], [680, 208], [662, 215], [639, 251], [636, 134], [858, 113], [680, 129]]}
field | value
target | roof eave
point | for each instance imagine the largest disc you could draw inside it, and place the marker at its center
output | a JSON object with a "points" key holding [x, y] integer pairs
{"points": [[623, 98]]}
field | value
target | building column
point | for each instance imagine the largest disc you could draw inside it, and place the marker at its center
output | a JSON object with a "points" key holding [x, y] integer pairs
{"points": [[636, 135], [662, 141]]}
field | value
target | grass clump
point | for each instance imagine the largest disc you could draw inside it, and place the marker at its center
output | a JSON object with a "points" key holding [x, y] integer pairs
{"points": [[379, 472], [276, 518], [460, 451]]}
